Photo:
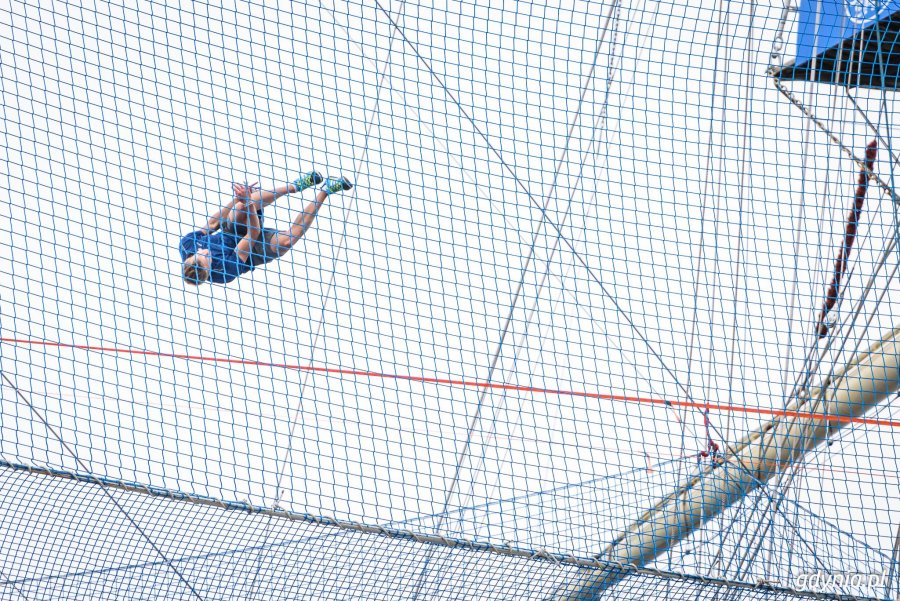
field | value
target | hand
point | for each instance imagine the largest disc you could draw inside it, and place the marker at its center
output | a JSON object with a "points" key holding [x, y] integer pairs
{"points": [[244, 190]]}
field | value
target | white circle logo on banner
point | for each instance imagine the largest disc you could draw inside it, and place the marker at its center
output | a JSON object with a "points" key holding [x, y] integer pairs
{"points": [[862, 12]]}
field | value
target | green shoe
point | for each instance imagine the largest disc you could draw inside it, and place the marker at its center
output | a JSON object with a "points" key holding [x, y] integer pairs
{"points": [[336, 184], [307, 180]]}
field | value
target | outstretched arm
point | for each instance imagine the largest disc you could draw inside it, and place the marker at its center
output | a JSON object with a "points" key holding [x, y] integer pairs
{"points": [[215, 220], [253, 232]]}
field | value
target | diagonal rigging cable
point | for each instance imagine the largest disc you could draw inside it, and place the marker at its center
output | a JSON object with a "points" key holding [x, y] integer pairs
{"points": [[813, 363], [476, 417], [294, 418], [545, 218], [710, 200], [521, 284], [559, 233], [592, 150], [321, 320], [14, 585], [865, 174], [466, 177], [99, 483], [822, 329], [292, 542]]}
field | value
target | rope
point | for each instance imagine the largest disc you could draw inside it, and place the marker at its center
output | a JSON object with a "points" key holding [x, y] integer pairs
{"points": [[542, 555], [836, 140], [336, 371], [850, 231], [103, 488]]}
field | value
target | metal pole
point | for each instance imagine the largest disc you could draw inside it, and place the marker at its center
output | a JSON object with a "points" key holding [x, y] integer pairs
{"points": [[763, 454]]}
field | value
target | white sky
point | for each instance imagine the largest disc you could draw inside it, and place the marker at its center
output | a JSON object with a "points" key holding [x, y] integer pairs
{"points": [[690, 187]]}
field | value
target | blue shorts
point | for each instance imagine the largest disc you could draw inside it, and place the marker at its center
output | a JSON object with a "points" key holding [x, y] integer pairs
{"points": [[263, 250]]}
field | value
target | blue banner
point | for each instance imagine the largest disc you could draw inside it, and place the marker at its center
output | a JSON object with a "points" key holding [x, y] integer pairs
{"points": [[825, 24]]}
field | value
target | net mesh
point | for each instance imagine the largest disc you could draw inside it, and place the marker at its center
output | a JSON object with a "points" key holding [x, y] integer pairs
{"points": [[227, 554], [585, 251]]}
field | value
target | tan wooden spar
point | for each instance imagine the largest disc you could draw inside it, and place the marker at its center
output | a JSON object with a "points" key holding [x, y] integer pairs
{"points": [[860, 386]]}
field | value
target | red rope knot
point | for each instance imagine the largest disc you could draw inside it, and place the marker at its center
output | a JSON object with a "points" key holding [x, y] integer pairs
{"points": [[712, 448]]}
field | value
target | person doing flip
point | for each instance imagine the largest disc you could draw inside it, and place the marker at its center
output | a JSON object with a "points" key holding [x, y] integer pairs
{"points": [[234, 241]]}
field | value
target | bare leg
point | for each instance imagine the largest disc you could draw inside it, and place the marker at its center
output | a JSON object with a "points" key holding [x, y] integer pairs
{"points": [[267, 197], [289, 237], [257, 201]]}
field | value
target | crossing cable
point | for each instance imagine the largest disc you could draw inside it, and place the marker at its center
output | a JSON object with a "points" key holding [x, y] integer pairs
{"points": [[857, 311], [466, 177], [534, 201], [835, 292], [630, 322], [97, 481], [529, 258], [888, 188], [801, 387], [578, 256], [707, 197], [476, 417], [810, 365], [280, 465], [741, 262], [814, 365], [14, 585], [802, 382], [822, 329], [741, 255], [594, 144], [340, 249], [593, 149]]}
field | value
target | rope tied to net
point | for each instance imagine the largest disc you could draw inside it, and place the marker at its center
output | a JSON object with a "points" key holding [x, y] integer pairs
{"points": [[712, 447], [850, 231]]}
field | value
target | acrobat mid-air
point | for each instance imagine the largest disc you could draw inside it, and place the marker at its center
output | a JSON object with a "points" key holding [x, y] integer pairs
{"points": [[234, 240]]}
